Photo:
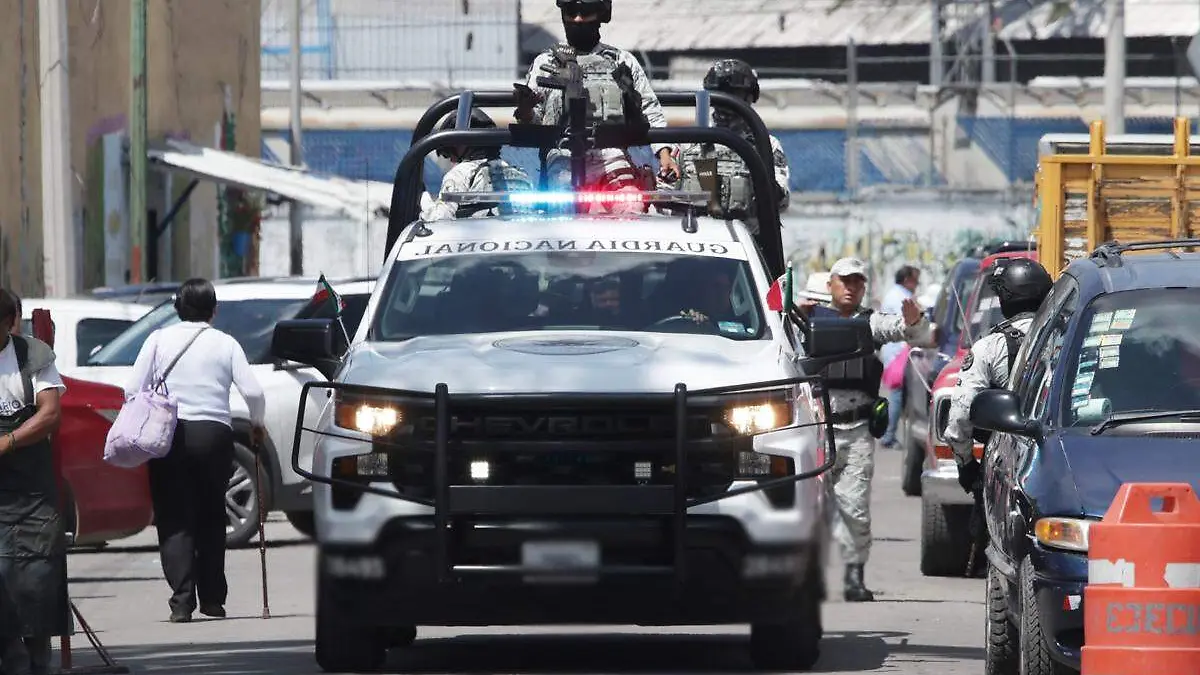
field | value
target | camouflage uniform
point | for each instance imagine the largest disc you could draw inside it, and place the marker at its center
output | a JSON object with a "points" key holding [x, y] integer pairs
{"points": [[604, 163], [729, 162], [475, 175]]}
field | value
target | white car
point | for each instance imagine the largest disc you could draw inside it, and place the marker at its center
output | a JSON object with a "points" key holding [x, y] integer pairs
{"points": [[500, 444], [248, 309], [81, 325]]}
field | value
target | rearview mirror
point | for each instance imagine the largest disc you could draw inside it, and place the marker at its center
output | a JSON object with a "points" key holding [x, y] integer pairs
{"points": [[829, 340], [1000, 410], [314, 342]]}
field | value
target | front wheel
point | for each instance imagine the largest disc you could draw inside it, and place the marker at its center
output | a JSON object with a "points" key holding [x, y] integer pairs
{"points": [[242, 497], [796, 644], [341, 645], [304, 521]]}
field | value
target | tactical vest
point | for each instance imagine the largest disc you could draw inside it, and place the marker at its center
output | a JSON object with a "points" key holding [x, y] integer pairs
{"points": [[1013, 337], [721, 172], [494, 175], [864, 374], [606, 85]]}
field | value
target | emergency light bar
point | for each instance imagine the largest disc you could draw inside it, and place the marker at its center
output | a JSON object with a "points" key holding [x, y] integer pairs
{"points": [[526, 198]]}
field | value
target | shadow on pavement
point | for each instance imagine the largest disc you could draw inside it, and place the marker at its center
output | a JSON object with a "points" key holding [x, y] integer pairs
{"points": [[664, 654]]}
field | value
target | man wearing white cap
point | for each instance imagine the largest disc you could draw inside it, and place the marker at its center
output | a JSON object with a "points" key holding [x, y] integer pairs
{"points": [[859, 414]]}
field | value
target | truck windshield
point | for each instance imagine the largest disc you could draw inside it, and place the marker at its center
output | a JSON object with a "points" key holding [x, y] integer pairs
{"points": [[470, 294], [1135, 351]]}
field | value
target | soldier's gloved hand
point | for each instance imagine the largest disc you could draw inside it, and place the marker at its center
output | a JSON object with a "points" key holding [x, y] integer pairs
{"points": [[668, 168], [968, 475]]}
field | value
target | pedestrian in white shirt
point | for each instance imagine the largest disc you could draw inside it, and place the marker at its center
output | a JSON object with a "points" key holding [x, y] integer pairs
{"points": [[188, 485]]}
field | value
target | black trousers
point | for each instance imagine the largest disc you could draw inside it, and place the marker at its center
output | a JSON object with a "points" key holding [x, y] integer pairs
{"points": [[188, 491]]}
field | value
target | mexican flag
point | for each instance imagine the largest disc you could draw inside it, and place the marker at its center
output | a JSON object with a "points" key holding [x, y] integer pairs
{"points": [[325, 293]]}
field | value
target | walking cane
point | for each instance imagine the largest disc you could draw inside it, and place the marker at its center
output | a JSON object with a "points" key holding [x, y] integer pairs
{"points": [[262, 535]]}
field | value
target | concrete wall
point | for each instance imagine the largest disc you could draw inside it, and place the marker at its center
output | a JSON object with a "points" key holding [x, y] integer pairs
{"points": [[194, 49]]}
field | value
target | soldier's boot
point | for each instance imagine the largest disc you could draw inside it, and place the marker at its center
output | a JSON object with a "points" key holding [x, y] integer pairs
{"points": [[854, 589], [39, 655], [14, 658]]}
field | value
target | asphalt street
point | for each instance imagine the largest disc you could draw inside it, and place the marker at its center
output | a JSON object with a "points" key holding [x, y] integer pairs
{"points": [[917, 625]]}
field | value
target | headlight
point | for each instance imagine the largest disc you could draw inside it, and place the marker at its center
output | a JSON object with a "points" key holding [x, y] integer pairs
{"points": [[759, 418], [1065, 533], [375, 417]]}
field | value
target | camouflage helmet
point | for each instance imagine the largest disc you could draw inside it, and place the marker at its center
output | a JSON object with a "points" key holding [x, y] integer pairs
{"points": [[733, 76], [603, 8]]}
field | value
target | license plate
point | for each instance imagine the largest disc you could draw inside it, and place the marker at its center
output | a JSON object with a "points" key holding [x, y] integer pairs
{"points": [[559, 557]]}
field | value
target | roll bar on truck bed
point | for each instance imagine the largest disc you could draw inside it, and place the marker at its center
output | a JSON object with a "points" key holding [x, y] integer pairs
{"points": [[408, 184]]}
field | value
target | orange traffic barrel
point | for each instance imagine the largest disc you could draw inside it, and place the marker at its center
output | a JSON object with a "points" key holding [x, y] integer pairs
{"points": [[1142, 600]]}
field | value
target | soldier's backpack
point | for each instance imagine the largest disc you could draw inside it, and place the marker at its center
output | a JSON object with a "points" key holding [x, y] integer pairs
{"points": [[495, 175], [612, 98]]}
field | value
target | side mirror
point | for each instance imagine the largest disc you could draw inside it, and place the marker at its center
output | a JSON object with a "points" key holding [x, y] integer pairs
{"points": [[1000, 410], [830, 340], [314, 342]]}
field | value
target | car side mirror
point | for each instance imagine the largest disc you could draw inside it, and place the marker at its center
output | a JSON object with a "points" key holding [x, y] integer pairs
{"points": [[829, 340], [315, 342], [1000, 410]]}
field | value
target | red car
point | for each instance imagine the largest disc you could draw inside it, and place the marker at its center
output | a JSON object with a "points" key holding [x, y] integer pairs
{"points": [[945, 507], [100, 502]]}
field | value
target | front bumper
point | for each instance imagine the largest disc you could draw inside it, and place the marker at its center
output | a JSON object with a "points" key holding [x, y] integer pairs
{"points": [[940, 485], [1058, 583], [725, 577]]}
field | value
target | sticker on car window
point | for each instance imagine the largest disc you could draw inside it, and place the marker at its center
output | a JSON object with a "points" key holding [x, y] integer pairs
{"points": [[1111, 362], [1091, 341], [1100, 322], [732, 327], [1085, 379], [1111, 339], [1079, 401], [1110, 352], [1123, 319]]}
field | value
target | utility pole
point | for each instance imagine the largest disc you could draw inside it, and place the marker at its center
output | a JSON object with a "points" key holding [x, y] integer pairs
{"points": [[58, 214], [852, 119], [296, 209], [1114, 67], [137, 142]]}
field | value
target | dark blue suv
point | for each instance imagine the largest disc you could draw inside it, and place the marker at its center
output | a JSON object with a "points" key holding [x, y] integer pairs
{"points": [[1106, 391]]}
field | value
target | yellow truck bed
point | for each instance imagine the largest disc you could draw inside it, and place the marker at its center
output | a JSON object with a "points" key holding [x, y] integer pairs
{"points": [[1136, 187]]}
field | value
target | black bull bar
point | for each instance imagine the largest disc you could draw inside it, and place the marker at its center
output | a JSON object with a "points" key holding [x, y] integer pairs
{"points": [[451, 500]]}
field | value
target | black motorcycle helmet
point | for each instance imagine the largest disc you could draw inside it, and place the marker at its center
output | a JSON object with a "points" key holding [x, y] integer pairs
{"points": [[1020, 284], [603, 8], [733, 76], [479, 120]]}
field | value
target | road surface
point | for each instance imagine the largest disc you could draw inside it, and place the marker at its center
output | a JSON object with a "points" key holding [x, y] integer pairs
{"points": [[917, 625]]}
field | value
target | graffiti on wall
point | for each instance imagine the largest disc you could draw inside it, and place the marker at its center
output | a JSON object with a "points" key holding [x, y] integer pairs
{"points": [[887, 235]]}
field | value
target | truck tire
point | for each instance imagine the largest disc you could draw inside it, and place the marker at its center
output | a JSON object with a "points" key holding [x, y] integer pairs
{"points": [[1035, 656], [304, 522], [795, 645], [945, 539], [914, 463], [1000, 649], [341, 645]]}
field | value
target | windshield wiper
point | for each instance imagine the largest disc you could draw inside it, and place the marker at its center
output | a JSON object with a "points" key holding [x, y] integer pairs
{"points": [[1117, 419]]}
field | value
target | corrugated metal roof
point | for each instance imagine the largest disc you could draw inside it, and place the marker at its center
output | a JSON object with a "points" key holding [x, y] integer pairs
{"points": [[1085, 18], [680, 25]]}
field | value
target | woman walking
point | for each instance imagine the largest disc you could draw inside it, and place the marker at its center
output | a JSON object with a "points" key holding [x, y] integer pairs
{"points": [[199, 365]]}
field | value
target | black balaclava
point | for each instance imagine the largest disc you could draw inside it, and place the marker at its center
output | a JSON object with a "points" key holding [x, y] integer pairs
{"points": [[582, 35]]}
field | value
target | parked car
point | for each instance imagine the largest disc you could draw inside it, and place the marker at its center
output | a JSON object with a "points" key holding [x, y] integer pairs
{"points": [[945, 507], [1108, 393], [100, 502], [924, 364], [150, 293], [81, 325], [248, 310]]}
